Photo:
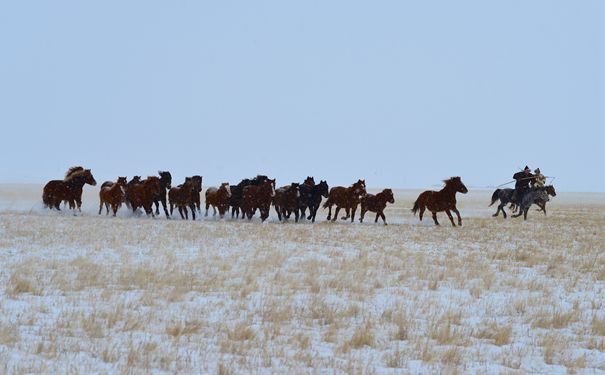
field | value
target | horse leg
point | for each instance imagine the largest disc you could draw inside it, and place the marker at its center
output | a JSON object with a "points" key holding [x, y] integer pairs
{"points": [[377, 216], [329, 213], [192, 206], [353, 209], [457, 214], [296, 216], [421, 213], [164, 207], [214, 210], [362, 214], [449, 214], [157, 207], [384, 219], [336, 213], [114, 207], [100, 206], [106, 208], [435, 218], [347, 214], [207, 206]]}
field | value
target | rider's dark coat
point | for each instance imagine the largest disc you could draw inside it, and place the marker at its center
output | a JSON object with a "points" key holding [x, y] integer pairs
{"points": [[523, 179]]}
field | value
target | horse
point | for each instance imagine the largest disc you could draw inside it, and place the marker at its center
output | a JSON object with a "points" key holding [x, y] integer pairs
{"points": [[135, 180], [305, 190], [237, 193], [181, 197], [529, 198], [549, 189], [347, 198], [505, 196], [318, 191], [376, 203], [218, 197], [258, 197], [68, 189], [165, 184], [143, 194], [286, 201], [112, 194], [197, 190], [442, 200]]}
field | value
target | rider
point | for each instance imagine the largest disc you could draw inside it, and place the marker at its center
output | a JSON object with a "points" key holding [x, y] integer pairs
{"points": [[539, 179], [523, 179]]}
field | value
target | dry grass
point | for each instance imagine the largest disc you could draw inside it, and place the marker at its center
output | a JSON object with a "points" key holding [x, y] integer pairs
{"points": [[140, 295]]}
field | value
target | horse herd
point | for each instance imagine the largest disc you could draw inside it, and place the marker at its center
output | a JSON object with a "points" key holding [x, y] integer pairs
{"points": [[245, 198]]}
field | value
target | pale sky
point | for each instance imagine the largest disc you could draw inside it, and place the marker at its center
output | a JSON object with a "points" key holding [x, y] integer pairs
{"points": [[401, 93]]}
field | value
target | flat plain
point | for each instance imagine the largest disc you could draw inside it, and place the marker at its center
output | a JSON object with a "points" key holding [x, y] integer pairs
{"points": [[91, 293]]}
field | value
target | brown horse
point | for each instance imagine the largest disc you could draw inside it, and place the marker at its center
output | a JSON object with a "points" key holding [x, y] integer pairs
{"points": [[144, 194], [286, 201], [347, 198], [69, 189], [442, 200], [258, 197], [218, 198], [197, 190], [113, 195], [182, 197], [376, 203]]}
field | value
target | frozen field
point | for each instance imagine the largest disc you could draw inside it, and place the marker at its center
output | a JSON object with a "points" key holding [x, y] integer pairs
{"points": [[138, 295]]}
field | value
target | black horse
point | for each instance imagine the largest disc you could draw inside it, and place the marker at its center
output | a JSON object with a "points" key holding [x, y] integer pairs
{"points": [[318, 191], [505, 196], [165, 185]]}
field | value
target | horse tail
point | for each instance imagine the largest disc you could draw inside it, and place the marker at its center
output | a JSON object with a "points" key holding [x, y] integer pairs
{"points": [[327, 203], [495, 197], [416, 207]]}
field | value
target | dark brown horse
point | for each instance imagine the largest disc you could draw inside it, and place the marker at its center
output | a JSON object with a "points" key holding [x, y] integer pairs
{"points": [[258, 197], [197, 191], [165, 184], [144, 194], [135, 180], [112, 195], [442, 200], [376, 203], [218, 198], [69, 189], [182, 197], [286, 201], [237, 192], [347, 198]]}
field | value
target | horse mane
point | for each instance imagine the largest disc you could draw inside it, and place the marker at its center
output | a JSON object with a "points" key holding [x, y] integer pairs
{"points": [[450, 180], [73, 173], [73, 170]]}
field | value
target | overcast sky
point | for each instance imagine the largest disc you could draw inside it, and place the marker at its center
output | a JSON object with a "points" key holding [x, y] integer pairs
{"points": [[401, 93]]}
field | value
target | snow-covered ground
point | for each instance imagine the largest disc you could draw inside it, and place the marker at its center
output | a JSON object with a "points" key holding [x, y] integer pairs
{"points": [[91, 293]]}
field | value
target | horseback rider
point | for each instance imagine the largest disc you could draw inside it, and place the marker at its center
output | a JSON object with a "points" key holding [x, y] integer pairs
{"points": [[523, 180], [539, 179]]}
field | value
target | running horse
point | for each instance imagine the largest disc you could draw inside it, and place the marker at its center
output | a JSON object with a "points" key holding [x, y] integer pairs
{"points": [[165, 185], [218, 198], [442, 200], [347, 198], [286, 201], [318, 191], [258, 197], [68, 189], [143, 194], [113, 195], [376, 203], [182, 197]]}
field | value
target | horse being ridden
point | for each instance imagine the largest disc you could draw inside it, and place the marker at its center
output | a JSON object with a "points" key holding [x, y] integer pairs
{"points": [[258, 197], [286, 201], [442, 200], [347, 198], [113, 195], [181, 197], [143, 194], [68, 189], [218, 198], [376, 203], [549, 189], [529, 198]]}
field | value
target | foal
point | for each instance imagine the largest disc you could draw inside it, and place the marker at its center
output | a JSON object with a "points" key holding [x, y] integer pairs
{"points": [[376, 203], [112, 194]]}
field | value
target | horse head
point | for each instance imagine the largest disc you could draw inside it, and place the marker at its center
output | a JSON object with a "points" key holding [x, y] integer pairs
{"points": [[550, 189], [152, 184], [165, 179], [135, 180], [309, 181], [88, 178], [323, 188], [389, 195], [456, 184], [360, 187], [197, 183], [296, 186], [225, 186], [122, 182]]}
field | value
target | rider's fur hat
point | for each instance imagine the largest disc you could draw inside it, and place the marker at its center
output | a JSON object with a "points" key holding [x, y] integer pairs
{"points": [[537, 170], [526, 168]]}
